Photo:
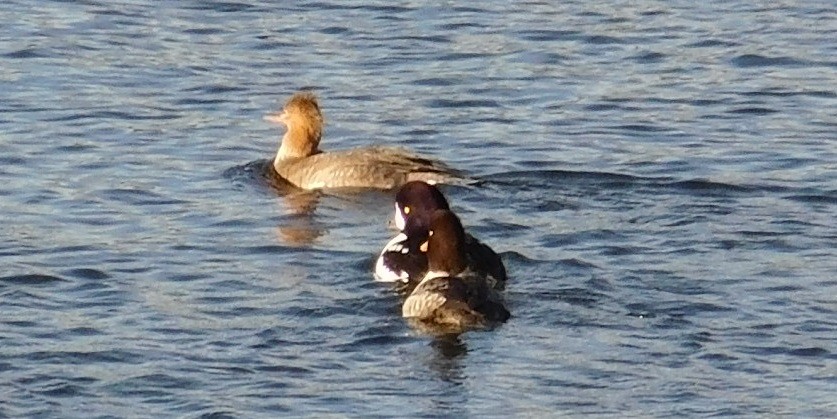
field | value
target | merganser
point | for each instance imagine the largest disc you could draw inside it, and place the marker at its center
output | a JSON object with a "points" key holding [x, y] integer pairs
{"points": [[300, 161]]}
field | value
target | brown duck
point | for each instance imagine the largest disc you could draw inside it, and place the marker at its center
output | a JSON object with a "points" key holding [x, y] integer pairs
{"points": [[301, 162]]}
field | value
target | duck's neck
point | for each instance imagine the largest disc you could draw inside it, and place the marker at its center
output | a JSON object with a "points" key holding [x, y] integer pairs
{"points": [[449, 261], [433, 274], [298, 142]]}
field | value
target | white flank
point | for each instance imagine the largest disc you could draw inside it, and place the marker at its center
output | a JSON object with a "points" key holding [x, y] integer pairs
{"points": [[385, 274]]}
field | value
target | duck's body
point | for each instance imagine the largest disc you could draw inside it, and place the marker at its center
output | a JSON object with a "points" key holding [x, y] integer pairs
{"points": [[377, 167], [451, 298], [300, 161], [454, 304], [403, 262]]}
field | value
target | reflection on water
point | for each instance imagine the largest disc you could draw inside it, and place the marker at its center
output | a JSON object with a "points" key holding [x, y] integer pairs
{"points": [[298, 226], [446, 362], [449, 347], [301, 227], [447, 359], [303, 234]]}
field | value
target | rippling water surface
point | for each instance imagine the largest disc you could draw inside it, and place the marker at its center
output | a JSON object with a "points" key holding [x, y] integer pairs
{"points": [[660, 178]]}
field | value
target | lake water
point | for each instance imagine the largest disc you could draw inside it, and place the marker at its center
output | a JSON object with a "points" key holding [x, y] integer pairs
{"points": [[660, 179]]}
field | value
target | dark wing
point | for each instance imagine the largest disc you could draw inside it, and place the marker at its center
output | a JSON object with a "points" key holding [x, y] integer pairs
{"points": [[483, 298], [483, 260]]}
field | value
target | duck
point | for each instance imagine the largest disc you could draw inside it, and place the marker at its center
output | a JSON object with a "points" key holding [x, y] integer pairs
{"points": [[451, 298], [403, 262], [302, 163]]}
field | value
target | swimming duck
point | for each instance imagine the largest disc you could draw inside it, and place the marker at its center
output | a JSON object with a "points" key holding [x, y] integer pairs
{"points": [[402, 260], [451, 298], [301, 162]]}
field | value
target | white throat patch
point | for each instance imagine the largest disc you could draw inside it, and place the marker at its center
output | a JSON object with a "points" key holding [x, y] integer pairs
{"points": [[400, 221]]}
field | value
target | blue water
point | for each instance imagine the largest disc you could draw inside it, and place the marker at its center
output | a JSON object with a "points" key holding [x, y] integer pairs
{"points": [[659, 177]]}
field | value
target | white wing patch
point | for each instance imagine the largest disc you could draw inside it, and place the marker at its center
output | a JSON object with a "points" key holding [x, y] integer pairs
{"points": [[385, 274]]}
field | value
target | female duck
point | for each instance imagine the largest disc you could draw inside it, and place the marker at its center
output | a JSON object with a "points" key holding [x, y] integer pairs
{"points": [[451, 298], [403, 261], [301, 162]]}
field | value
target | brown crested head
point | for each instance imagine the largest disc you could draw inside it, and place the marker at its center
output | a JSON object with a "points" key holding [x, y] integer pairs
{"points": [[446, 243], [303, 105], [304, 121]]}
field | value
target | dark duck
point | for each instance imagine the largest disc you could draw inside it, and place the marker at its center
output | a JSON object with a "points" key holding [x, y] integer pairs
{"points": [[451, 298], [404, 263]]}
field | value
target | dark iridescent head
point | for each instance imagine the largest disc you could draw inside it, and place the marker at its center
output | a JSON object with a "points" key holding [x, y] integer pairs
{"points": [[415, 203], [446, 243]]}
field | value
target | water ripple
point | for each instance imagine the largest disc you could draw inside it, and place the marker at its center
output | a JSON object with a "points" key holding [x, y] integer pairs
{"points": [[658, 180]]}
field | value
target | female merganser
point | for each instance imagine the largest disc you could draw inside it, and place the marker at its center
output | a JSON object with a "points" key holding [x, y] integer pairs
{"points": [[301, 162], [451, 298], [403, 261]]}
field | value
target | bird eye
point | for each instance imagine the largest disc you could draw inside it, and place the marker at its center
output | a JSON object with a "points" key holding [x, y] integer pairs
{"points": [[406, 210], [430, 233]]}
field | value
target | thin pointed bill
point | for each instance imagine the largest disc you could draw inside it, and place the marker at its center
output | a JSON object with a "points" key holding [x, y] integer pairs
{"points": [[277, 118]]}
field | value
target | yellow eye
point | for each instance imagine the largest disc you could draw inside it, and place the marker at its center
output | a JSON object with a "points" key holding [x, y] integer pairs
{"points": [[430, 233], [406, 210]]}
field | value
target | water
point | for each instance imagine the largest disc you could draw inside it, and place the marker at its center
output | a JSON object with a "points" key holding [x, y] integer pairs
{"points": [[659, 177]]}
